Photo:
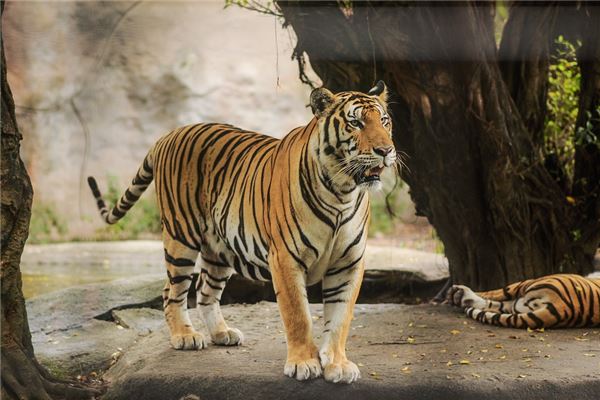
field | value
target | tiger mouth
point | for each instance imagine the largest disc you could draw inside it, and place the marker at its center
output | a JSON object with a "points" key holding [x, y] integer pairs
{"points": [[372, 174]]}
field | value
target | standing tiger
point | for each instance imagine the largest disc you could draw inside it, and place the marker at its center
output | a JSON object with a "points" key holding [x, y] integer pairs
{"points": [[553, 301], [294, 211]]}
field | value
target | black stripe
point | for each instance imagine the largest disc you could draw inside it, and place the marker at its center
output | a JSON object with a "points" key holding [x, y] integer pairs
{"points": [[538, 322], [178, 279], [216, 263], [179, 262], [334, 301], [332, 289], [554, 312], [213, 278], [337, 271], [327, 295]]}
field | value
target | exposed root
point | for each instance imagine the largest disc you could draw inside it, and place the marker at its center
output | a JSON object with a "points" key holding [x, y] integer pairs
{"points": [[23, 378]]}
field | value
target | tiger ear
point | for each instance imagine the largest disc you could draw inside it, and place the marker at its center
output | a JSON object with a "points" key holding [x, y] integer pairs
{"points": [[380, 90], [320, 100]]}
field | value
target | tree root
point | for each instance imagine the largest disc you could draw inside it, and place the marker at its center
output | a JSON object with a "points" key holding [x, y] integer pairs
{"points": [[23, 378]]}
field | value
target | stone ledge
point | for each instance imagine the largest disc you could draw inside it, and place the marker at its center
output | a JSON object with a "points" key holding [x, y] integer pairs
{"points": [[447, 355]]}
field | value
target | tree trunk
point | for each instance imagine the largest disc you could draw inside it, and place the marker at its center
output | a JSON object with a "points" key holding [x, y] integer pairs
{"points": [[474, 168], [22, 376]]}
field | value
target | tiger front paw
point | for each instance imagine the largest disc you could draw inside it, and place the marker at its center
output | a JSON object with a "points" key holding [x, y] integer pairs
{"points": [[461, 296], [229, 337], [303, 369], [342, 372], [188, 341]]}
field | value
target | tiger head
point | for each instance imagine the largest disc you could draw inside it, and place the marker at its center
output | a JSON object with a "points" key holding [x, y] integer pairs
{"points": [[355, 136]]}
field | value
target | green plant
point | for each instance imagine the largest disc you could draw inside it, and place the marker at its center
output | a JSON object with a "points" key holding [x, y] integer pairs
{"points": [[385, 207], [585, 134], [46, 224], [143, 219], [562, 105]]}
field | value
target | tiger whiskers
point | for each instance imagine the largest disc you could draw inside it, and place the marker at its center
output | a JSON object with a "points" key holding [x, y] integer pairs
{"points": [[400, 164]]}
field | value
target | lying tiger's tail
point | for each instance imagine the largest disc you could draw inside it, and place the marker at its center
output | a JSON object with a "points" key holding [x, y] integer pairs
{"points": [[139, 184], [540, 318]]}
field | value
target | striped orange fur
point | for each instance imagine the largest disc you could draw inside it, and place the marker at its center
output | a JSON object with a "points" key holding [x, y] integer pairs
{"points": [[553, 301]]}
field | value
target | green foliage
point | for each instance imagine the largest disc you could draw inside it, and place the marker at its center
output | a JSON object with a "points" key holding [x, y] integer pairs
{"points": [[143, 219], [500, 18], [562, 104], [46, 224], [386, 206], [585, 134], [381, 220]]}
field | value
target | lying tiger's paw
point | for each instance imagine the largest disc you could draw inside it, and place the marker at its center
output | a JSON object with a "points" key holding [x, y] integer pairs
{"points": [[230, 337], [343, 372], [188, 341], [303, 369], [461, 296]]}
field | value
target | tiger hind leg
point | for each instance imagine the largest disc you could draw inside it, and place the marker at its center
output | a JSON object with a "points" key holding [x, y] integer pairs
{"points": [[214, 277], [536, 319], [180, 261]]}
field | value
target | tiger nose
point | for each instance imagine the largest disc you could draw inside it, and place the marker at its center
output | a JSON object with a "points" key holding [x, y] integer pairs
{"points": [[383, 151]]}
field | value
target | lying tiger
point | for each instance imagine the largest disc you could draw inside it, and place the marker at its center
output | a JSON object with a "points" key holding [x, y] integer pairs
{"points": [[294, 211], [553, 301]]}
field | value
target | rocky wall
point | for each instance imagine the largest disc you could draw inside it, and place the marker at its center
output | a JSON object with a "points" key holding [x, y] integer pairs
{"points": [[96, 83]]}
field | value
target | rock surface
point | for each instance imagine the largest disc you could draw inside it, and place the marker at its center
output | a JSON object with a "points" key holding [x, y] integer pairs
{"points": [[69, 338], [79, 329], [404, 352]]}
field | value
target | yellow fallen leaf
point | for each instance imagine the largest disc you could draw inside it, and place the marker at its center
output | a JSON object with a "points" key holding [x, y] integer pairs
{"points": [[570, 200], [476, 375], [410, 340], [405, 370], [499, 346], [455, 331], [464, 362], [589, 354], [449, 363]]}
